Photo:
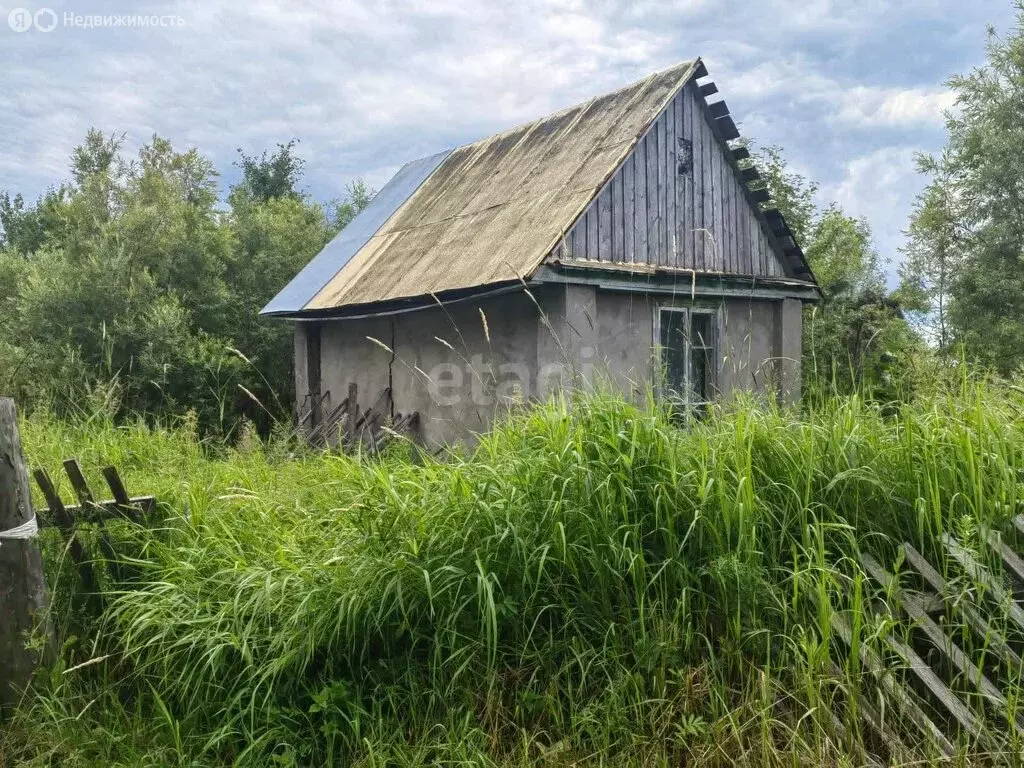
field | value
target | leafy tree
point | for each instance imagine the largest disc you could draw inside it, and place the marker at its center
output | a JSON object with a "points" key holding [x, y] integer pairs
{"points": [[853, 338], [932, 261], [270, 177], [132, 285], [967, 231]]}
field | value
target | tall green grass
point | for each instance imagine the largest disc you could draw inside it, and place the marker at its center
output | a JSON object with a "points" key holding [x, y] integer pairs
{"points": [[591, 584]]}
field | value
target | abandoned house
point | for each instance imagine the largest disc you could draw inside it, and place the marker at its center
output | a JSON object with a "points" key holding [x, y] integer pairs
{"points": [[622, 239]]}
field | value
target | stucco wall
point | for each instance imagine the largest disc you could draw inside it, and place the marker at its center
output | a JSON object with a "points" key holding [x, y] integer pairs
{"points": [[460, 365], [456, 366]]}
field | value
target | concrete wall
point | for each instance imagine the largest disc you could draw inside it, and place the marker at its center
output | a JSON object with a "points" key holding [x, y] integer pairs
{"points": [[457, 366], [460, 365]]}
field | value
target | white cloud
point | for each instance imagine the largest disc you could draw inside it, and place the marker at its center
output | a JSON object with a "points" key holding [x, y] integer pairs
{"points": [[874, 106], [368, 86]]}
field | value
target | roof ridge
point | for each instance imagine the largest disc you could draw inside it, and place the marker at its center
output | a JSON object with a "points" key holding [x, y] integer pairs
{"points": [[684, 66]]}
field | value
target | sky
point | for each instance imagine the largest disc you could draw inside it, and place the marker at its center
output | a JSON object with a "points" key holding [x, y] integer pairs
{"points": [[850, 89]]}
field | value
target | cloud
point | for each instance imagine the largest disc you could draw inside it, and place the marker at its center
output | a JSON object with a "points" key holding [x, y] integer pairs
{"points": [[880, 186], [873, 106], [368, 86]]}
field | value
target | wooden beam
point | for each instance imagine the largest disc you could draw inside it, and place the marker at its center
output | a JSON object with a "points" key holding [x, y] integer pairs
{"points": [[708, 89], [903, 699], [981, 574], [64, 518], [760, 195], [740, 153], [977, 622], [727, 128], [702, 70], [750, 174], [718, 109], [1011, 559]]}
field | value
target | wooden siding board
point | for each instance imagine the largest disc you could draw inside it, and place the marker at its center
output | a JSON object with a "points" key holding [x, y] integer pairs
{"points": [[629, 225], [688, 252], [617, 220], [651, 141], [699, 259], [707, 176], [591, 252], [641, 226], [604, 224], [717, 199]]}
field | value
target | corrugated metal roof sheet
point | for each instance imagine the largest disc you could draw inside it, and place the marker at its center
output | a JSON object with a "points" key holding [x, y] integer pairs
{"points": [[492, 210]]}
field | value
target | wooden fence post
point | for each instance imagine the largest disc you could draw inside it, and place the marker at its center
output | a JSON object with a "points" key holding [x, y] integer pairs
{"points": [[22, 584]]}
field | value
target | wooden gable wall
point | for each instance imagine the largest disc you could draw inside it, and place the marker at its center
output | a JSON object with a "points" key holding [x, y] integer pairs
{"points": [[651, 213]]}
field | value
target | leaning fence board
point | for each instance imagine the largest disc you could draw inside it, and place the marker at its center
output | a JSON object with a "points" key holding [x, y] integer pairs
{"points": [[64, 519], [901, 695], [980, 573], [953, 653], [974, 618], [1011, 559], [893, 743]]}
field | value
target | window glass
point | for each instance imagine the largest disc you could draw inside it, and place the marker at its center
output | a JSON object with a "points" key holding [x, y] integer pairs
{"points": [[673, 350], [688, 355]]}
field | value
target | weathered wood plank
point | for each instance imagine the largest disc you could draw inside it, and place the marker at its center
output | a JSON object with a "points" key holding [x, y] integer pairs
{"points": [[653, 202], [955, 656], [640, 196], [718, 109], [1011, 560], [694, 121], [727, 128], [618, 224], [604, 224], [981, 574], [628, 210], [717, 229], [900, 695], [708, 89], [893, 743], [663, 189], [22, 578], [974, 618]]}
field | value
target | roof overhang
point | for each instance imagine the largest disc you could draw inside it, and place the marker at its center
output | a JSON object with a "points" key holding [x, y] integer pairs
{"points": [[646, 278]]}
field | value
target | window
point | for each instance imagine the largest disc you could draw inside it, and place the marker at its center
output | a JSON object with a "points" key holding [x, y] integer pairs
{"points": [[689, 361]]}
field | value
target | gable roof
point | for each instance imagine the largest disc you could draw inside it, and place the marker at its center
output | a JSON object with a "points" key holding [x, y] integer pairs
{"points": [[486, 213]]}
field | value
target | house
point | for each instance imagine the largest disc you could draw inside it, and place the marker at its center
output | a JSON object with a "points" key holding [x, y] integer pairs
{"points": [[618, 239]]}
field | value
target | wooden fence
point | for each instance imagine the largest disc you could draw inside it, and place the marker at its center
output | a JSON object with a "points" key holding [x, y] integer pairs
{"points": [[929, 700], [66, 517], [347, 427]]}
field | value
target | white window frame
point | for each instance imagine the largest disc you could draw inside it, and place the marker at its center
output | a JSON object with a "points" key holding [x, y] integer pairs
{"points": [[687, 396]]}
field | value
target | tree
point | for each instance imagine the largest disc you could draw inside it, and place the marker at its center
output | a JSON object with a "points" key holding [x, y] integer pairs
{"points": [[132, 284], [932, 260], [270, 177], [852, 339], [968, 229]]}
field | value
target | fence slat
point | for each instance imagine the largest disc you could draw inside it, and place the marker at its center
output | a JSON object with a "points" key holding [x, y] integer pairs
{"points": [[942, 642], [978, 623], [903, 698], [78, 482], [980, 573], [64, 520]]}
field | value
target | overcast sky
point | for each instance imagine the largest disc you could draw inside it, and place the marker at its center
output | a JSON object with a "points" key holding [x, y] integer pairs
{"points": [[851, 89]]}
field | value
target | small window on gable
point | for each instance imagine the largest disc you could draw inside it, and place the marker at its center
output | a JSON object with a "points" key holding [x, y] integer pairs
{"points": [[684, 157], [688, 353]]}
